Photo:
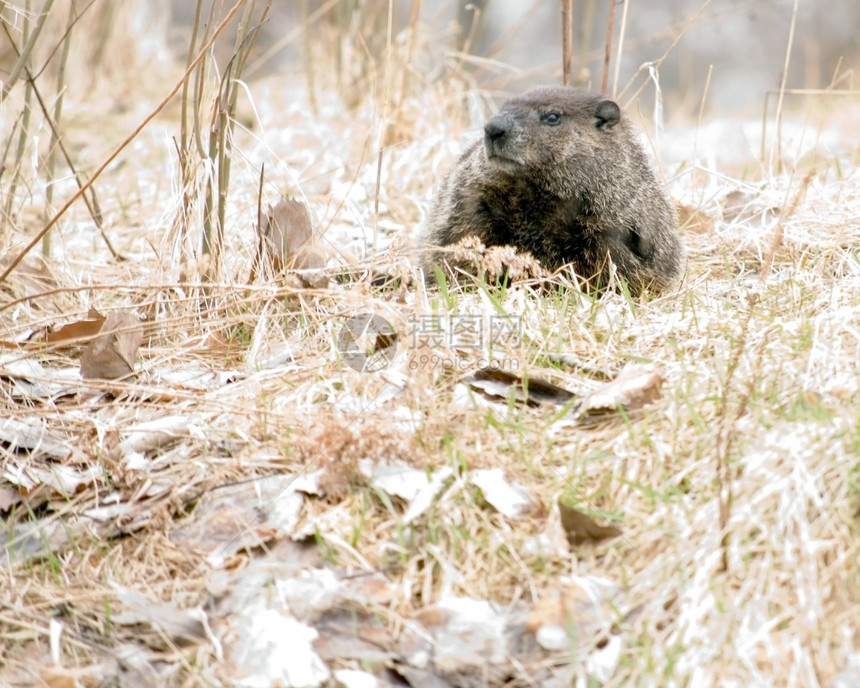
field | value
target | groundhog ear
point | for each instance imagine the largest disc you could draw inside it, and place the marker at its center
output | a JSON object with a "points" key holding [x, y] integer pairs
{"points": [[608, 114]]}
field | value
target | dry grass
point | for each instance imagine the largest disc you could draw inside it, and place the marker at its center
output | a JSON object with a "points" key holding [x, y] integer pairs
{"points": [[737, 492]]}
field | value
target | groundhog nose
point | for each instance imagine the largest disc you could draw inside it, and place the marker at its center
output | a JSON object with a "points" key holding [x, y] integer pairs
{"points": [[495, 130]]}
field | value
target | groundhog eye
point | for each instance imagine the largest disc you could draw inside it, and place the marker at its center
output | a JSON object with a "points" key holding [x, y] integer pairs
{"points": [[551, 118]]}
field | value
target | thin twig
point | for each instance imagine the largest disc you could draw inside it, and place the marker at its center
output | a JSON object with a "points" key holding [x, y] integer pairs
{"points": [[796, 92], [610, 28], [300, 30], [473, 29], [55, 128], [786, 213], [621, 35], [261, 239], [131, 137], [183, 150], [62, 39], [702, 111], [410, 50], [658, 62], [566, 40], [307, 54], [25, 117], [386, 76], [90, 201], [782, 82], [723, 440], [24, 55]]}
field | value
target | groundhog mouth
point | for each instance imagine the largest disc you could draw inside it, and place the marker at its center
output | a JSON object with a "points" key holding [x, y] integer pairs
{"points": [[497, 156]]}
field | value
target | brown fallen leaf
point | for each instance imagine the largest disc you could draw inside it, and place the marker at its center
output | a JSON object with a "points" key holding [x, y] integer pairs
{"points": [[67, 336], [181, 625], [577, 609], [581, 528], [59, 677], [583, 602], [354, 634], [631, 390], [735, 203], [745, 205], [495, 383], [419, 678], [9, 497], [290, 242], [241, 516], [112, 353], [73, 333]]}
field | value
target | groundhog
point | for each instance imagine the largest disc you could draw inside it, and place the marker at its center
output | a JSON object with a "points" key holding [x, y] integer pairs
{"points": [[561, 174]]}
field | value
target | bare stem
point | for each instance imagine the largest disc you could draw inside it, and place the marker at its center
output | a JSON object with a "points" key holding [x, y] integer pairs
{"points": [[25, 119], [128, 139], [782, 82], [24, 57], [620, 50], [55, 130], [610, 28], [566, 40]]}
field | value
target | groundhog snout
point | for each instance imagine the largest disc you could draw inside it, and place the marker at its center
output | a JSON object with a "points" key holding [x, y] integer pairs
{"points": [[500, 138], [496, 130]]}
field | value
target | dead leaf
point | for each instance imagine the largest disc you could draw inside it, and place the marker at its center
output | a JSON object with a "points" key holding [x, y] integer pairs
{"points": [[575, 607], [35, 540], [694, 220], [31, 382], [149, 435], [242, 516], [279, 620], [40, 483], [59, 677], [353, 634], [34, 436], [581, 528], [495, 383], [631, 390], [745, 205], [420, 678], [182, 625], [290, 242], [508, 498], [265, 647], [9, 497], [735, 203], [463, 632], [112, 353], [76, 332], [415, 487]]}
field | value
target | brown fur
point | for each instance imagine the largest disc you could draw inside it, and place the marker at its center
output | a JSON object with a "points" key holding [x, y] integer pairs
{"points": [[561, 174]]}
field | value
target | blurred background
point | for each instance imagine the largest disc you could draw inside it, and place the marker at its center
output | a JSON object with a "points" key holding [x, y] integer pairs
{"points": [[507, 45], [502, 45]]}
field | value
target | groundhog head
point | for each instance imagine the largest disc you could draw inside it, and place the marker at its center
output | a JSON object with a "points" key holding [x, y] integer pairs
{"points": [[552, 128]]}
